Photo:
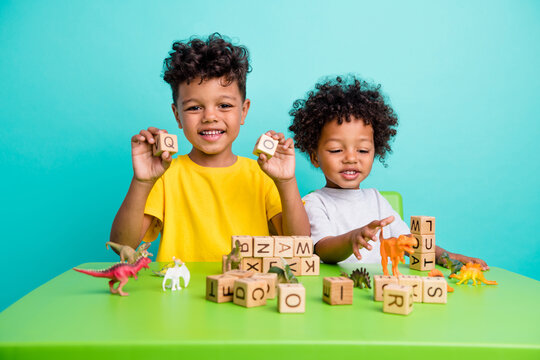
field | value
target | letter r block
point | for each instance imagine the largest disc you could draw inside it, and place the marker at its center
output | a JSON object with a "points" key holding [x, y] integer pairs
{"points": [[379, 283], [291, 298], [250, 292], [263, 246], [397, 299], [423, 225], [435, 290], [338, 290], [219, 288]]}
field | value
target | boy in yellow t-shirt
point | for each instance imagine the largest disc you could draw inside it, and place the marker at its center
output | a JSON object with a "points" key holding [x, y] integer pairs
{"points": [[200, 199]]}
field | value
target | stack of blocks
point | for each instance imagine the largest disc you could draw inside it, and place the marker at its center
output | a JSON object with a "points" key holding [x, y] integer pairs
{"points": [[423, 229]]}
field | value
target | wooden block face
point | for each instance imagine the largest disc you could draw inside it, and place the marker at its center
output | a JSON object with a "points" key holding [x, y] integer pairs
{"points": [[219, 288], [268, 262], [271, 282], [291, 298], [265, 145], [424, 244], [422, 262], [283, 246], [338, 290], [423, 225], [249, 292], [263, 246], [294, 264], [252, 264], [240, 274], [379, 283], [435, 290], [310, 266], [165, 142], [303, 246], [397, 299], [246, 244], [416, 284]]}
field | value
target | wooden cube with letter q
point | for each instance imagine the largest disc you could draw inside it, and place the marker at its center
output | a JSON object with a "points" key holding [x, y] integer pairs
{"points": [[263, 246], [423, 225], [250, 292], [165, 142], [435, 290], [338, 290], [291, 298], [219, 288], [303, 246], [397, 299]]}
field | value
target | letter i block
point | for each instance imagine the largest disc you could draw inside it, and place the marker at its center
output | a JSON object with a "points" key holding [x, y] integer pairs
{"points": [[310, 266], [434, 290], [246, 244], [338, 290], [415, 282], [249, 292], [252, 264], [294, 264], [271, 282], [268, 262], [380, 282], [422, 262], [283, 246], [303, 246], [165, 142], [291, 298], [398, 299], [219, 288], [423, 225], [266, 145], [263, 246], [424, 244]]}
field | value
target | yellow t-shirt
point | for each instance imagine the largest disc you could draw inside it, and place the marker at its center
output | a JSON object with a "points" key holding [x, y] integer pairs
{"points": [[199, 208]]}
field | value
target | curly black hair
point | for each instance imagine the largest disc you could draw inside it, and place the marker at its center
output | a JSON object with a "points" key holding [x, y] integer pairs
{"points": [[342, 99], [212, 58]]}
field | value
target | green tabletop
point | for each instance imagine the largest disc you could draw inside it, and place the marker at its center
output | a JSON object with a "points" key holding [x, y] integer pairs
{"points": [[75, 316]]}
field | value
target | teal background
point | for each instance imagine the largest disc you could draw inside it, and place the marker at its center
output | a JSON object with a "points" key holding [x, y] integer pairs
{"points": [[78, 78]]}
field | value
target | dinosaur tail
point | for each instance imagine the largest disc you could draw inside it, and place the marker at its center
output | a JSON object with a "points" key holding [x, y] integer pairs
{"points": [[95, 273], [489, 282]]}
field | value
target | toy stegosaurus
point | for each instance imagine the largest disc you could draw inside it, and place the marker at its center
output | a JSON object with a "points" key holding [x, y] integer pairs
{"points": [[472, 272], [360, 277]]}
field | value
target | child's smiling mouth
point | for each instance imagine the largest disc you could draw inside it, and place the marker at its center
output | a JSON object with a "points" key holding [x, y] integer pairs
{"points": [[211, 135], [350, 174]]}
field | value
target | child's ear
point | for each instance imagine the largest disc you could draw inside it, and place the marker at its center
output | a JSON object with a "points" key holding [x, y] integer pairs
{"points": [[176, 115], [314, 159], [245, 109]]}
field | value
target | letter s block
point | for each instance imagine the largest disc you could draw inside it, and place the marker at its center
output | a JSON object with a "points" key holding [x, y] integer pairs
{"points": [[219, 288], [338, 290], [435, 290], [397, 299], [291, 298], [165, 142], [249, 292]]}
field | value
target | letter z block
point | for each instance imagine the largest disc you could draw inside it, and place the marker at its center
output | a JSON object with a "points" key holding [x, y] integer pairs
{"points": [[415, 282], [165, 142], [434, 290], [291, 298], [422, 262], [249, 292], [398, 299], [423, 225], [219, 288], [379, 283], [265, 145], [263, 246], [338, 290]]}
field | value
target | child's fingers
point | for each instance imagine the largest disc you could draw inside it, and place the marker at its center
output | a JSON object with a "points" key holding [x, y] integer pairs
{"points": [[288, 144], [356, 251], [137, 139], [361, 241], [154, 130], [166, 159], [386, 221], [148, 136]]}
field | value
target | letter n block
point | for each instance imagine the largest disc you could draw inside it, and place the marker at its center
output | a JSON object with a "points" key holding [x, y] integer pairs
{"points": [[294, 264], [398, 299], [252, 264], [263, 246], [271, 282], [379, 283], [283, 246], [246, 244], [338, 290], [424, 244], [415, 282], [310, 266], [266, 145], [422, 262], [219, 288], [249, 292], [291, 298], [165, 142], [434, 290], [423, 225], [303, 246]]}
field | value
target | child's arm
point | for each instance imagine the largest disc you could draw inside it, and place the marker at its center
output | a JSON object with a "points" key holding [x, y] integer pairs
{"points": [[130, 223], [333, 249], [464, 259], [293, 219]]}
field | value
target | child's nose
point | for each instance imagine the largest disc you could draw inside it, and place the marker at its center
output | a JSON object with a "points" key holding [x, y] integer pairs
{"points": [[209, 115], [350, 156]]}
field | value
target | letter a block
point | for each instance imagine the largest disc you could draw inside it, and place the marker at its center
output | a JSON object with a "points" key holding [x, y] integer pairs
{"points": [[249, 292], [398, 299], [265, 145], [271, 282], [423, 225], [422, 262], [291, 298], [380, 282], [165, 142], [252, 264], [415, 282], [219, 288], [434, 290], [303, 246], [246, 244], [263, 246], [310, 266], [424, 244], [283, 246], [338, 290]]}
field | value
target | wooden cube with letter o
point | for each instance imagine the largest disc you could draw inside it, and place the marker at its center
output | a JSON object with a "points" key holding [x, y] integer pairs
{"points": [[291, 298]]}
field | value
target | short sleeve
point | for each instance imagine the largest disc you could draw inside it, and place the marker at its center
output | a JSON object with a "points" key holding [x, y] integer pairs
{"points": [[321, 226]]}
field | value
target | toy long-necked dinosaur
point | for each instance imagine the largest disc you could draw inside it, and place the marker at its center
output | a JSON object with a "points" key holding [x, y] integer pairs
{"points": [[472, 272], [119, 273], [394, 248], [126, 252], [232, 260]]}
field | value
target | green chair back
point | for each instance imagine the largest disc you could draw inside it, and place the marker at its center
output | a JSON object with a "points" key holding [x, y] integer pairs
{"points": [[395, 199]]}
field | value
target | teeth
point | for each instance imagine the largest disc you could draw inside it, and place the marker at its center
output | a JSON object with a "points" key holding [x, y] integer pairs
{"points": [[349, 172], [211, 132]]}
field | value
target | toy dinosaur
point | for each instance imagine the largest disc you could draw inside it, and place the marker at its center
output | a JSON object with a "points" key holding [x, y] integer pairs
{"points": [[175, 273], [127, 252], [449, 263], [394, 248], [285, 275], [161, 272], [472, 272], [360, 277], [119, 273], [233, 260], [438, 273]]}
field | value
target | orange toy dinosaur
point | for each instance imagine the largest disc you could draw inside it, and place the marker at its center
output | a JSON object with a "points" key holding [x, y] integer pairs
{"points": [[472, 272], [394, 248]]}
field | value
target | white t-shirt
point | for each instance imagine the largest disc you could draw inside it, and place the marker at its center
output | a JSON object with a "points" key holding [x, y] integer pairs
{"points": [[334, 212]]}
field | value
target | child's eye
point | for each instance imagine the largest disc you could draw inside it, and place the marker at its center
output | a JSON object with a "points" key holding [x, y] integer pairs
{"points": [[193, 108], [363, 151], [225, 106], [334, 151]]}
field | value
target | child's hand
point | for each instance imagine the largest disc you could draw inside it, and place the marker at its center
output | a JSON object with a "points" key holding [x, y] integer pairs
{"points": [[360, 237], [146, 167], [466, 259], [279, 167]]}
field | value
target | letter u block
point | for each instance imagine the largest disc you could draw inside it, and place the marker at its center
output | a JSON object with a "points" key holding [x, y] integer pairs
{"points": [[271, 282], [422, 262], [424, 244], [165, 142], [246, 244], [398, 299], [249, 292], [303, 246], [379, 283], [219, 288], [252, 264], [283, 246], [338, 290], [423, 225], [435, 290], [266, 145], [416, 283], [310, 266], [263, 246], [291, 298]]}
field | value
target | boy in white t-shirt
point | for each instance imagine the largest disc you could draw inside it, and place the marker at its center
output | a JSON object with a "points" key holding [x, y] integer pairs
{"points": [[343, 125]]}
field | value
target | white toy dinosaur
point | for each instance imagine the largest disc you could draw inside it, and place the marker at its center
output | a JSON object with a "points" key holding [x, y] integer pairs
{"points": [[175, 273]]}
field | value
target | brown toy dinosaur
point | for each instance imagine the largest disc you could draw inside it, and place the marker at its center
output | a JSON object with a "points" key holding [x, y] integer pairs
{"points": [[127, 252], [472, 272], [394, 248], [233, 260]]}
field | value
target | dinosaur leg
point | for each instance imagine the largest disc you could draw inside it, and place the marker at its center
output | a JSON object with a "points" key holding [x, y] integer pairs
{"points": [[120, 286], [395, 270], [111, 284], [384, 263]]}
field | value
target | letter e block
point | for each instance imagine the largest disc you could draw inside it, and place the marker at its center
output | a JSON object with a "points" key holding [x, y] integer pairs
{"points": [[268, 262], [263, 246], [283, 246], [424, 244], [303, 246], [310, 266], [397, 299], [434, 290], [338, 290], [249, 292], [246, 244], [219, 288], [165, 142], [265, 145], [423, 225], [422, 262], [415, 282], [379, 283], [291, 298], [271, 282], [252, 264]]}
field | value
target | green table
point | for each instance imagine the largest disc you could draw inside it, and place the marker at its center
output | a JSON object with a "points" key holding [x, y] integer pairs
{"points": [[75, 316]]}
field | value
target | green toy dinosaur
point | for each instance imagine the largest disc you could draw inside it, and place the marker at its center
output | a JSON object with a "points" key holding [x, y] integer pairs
{"points": [[233, 260], [285, 275], [360, 277], [127, 252], [449, 263]]}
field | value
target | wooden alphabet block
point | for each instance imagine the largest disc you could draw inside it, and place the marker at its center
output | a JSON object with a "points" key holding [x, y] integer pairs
{"points": [[252, 264], [246, 244], [310, 266], [271, 281], [266, 145], [435, 290], [416, 284], [249, 292], [283, 246], [303, 246], [379, 283], [294, 264], [338, 290], [291, 298], [219, 288], [424, 244], [397, 299], [263, 246], [165, 142], [422, 262], [423, 225], [240, 274], [268, 262]]}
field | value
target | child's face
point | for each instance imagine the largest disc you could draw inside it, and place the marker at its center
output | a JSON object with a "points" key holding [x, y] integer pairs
{"points": [[345, 153], [210, 115]]}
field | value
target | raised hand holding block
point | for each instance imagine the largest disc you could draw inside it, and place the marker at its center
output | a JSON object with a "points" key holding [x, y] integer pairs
{"points": [[283, 246], [379, 283], [263, 246], [265, 145], [252, 264], [397, 299], [268, 262], [271, 281], [246, 244], [422, 262], [249, 292], [435, 290], [338, 290], [165, 142], [310, 266], [303, 246], [423, 225], [415, 282], [424, 244], [291, 298], [219, 288]]}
